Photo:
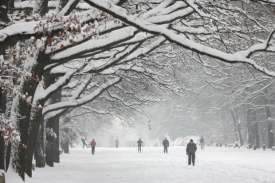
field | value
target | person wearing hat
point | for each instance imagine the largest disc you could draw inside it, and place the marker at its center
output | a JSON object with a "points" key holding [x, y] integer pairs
{"points": [[190, 151]]}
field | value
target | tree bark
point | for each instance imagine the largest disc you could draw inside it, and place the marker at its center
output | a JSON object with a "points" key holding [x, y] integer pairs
{"points": [[8, 156], [56, 158], [270, 130], [49, 143], [22, 126], [4, 7], [2, 152], [65, 147], [251, 119], [11, 4], [19, 160], [270, 135], [44, 7], [56, 142], [2, 102], [256, 135], [36, 117], [237, 128], [41, 7], [62, 4], [52, 147], [253, 128], [39, 146], [2, 142]]}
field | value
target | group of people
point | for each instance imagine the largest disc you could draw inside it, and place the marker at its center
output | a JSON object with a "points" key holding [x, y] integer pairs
{"points": [[92, 143], [191, 147], [165, 145]]}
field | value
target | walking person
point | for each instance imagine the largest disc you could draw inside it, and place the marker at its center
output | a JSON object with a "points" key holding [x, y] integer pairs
{"points": [[139, 142], [84, 142], [190, 151], [202, 142], [165, 145], [117, 143], [93, 144]]}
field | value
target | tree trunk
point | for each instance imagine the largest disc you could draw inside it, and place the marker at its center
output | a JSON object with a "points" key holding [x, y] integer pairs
{"points": [[19, 159], [11, 4], [240, 134], [65, 147], [251, 120], [237, 128], [49, 143], [2, 152], [56, 142], [270, 129], [9, 100], [56, 158], [2, 142], [39, 147], [4, 4], [62, 4], [41, 7], [52, 144], [8, 156], [256, 135], [2, 102], [253, 127], [36, 117], [44, 7], [270, 135]]}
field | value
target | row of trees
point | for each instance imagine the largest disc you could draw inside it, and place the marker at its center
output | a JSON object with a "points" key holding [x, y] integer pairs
{"points": [[223, 105], [112, 56]]}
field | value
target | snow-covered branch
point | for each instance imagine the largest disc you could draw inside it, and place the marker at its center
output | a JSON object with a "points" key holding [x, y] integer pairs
{"points": [[84, 100]]}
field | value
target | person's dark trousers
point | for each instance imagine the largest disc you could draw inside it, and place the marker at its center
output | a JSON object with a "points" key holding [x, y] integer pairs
{"points": [[191, 156], [93, 150], [139, 148], [165, 149]]}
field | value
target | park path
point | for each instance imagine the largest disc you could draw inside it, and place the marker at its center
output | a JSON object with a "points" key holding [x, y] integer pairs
{"points": [[125, 165]]}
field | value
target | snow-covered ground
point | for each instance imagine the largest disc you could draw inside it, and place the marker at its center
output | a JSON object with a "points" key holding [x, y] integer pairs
{"points": [[125, 165]]}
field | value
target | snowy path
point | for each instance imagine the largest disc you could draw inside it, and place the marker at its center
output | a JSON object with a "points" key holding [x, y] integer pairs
{"points": [[125, 165]]}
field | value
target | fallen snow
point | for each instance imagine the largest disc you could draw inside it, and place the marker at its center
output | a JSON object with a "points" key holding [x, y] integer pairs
{"points": [[124, 165]]}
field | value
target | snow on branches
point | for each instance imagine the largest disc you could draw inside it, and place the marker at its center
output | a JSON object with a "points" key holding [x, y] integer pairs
{"points": [[8, 131]]}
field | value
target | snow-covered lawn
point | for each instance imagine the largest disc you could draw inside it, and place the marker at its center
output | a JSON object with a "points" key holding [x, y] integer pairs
{"points": [[125, 165]]}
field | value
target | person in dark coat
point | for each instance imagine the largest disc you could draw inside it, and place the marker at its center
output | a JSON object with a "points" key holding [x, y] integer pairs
{"points": [[190, 151], [93, 144], [165, 145], [202, 143], [139, 142], [84, 142]]}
